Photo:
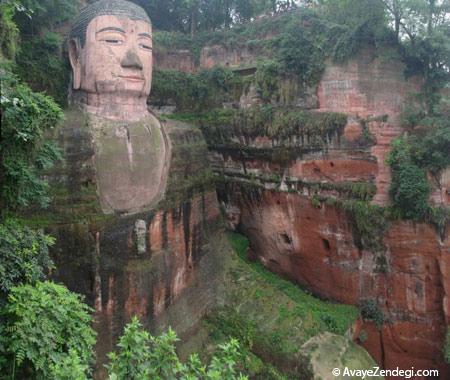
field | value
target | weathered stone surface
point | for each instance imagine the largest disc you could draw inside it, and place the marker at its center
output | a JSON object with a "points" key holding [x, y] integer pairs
{"points": [[297, 235], [132, 162], [161, 264], [180, 60], [218, 55], [324, 353], [112, 69], [135, 214], [315, 246]]}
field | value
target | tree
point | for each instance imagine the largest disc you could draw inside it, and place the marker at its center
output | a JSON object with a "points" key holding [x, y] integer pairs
{"points": [[141, 356], [423, 27], [354, 24]]}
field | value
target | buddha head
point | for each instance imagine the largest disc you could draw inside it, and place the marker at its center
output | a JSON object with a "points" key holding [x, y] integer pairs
{"points": [[110, 51]]}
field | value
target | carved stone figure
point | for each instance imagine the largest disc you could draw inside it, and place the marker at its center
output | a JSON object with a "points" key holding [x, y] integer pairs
{"points": [[134, 208], [110, 50]]}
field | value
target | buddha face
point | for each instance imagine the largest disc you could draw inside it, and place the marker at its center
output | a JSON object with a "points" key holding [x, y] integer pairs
{"points": [[116, 58]]}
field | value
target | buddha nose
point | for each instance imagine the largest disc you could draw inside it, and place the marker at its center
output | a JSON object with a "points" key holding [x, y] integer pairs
{"points": [[131, 60]]}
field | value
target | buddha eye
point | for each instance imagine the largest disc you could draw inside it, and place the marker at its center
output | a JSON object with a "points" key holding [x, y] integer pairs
{"points": [[113, 42], [145, 47]]}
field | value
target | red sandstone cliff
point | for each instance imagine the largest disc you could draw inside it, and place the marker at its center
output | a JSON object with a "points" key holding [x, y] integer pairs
{"points": [[314, 243]]}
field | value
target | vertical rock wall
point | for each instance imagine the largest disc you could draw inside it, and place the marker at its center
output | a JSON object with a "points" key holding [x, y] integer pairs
{"points": [[296, 232]]}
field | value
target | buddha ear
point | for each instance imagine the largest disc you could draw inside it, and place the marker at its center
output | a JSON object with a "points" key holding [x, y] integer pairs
{"points": [[74, 57]]}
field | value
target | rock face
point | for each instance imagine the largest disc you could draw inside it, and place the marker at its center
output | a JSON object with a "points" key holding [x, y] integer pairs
{"points": [[320, 253], [327, 352], [181, 60], [158, 264], [302, 224], [218, 54]]}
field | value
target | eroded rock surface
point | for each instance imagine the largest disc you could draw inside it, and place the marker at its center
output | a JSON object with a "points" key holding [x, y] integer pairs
{"points": [[298, 215], [328, 352]]}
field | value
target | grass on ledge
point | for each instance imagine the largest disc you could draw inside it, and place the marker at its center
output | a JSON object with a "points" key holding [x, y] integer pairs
{"points": [[271, 317], [328, 316]]}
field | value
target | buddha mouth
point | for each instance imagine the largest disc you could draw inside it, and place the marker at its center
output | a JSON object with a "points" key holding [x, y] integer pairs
{"points": [[132, 78]]}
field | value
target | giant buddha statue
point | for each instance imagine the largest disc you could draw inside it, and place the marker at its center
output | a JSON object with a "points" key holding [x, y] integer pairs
{"points": [[135, 209], [110, 50]]}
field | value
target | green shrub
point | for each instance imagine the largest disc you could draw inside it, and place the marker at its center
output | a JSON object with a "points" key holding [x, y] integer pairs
{"points": [[46, 327], [26, 117], [409, 186], [197, 92], [41, 65], [266, 79], [142, 356], [300, 47], [70, 367], [370, 311], [432, 150], [369, 222], [425, 150], [9, 33], [24, 256]]}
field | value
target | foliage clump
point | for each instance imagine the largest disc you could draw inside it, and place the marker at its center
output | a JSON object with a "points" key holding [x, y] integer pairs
{"points": [[40, 60], [409, 186], [26, 118], [46, 326], [220, 126], [195, 92], [39, 63], [9, 32], [426, 150], [370, 310], [142, 356], [24, 255]]}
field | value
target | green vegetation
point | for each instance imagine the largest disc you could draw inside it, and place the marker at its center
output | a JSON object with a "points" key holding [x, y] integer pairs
{"points": [[45, 326], [369, 222], [195, 16], [41, 66], [219, 126], [195, 92], [24, 256], [370, 310], [26, 118], [425, 150], [40, 61], [45, 329], [355, 25], [327, 316], [143, 356], [270, 316], [409, 187], [9, 33]]}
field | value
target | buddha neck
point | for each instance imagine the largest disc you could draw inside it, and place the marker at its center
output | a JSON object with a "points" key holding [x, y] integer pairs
{"points": [[114, 106]]}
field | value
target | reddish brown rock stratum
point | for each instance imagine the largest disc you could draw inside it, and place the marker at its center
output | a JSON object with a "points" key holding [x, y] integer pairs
{"points": [[296, 233], [315, 247]]}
